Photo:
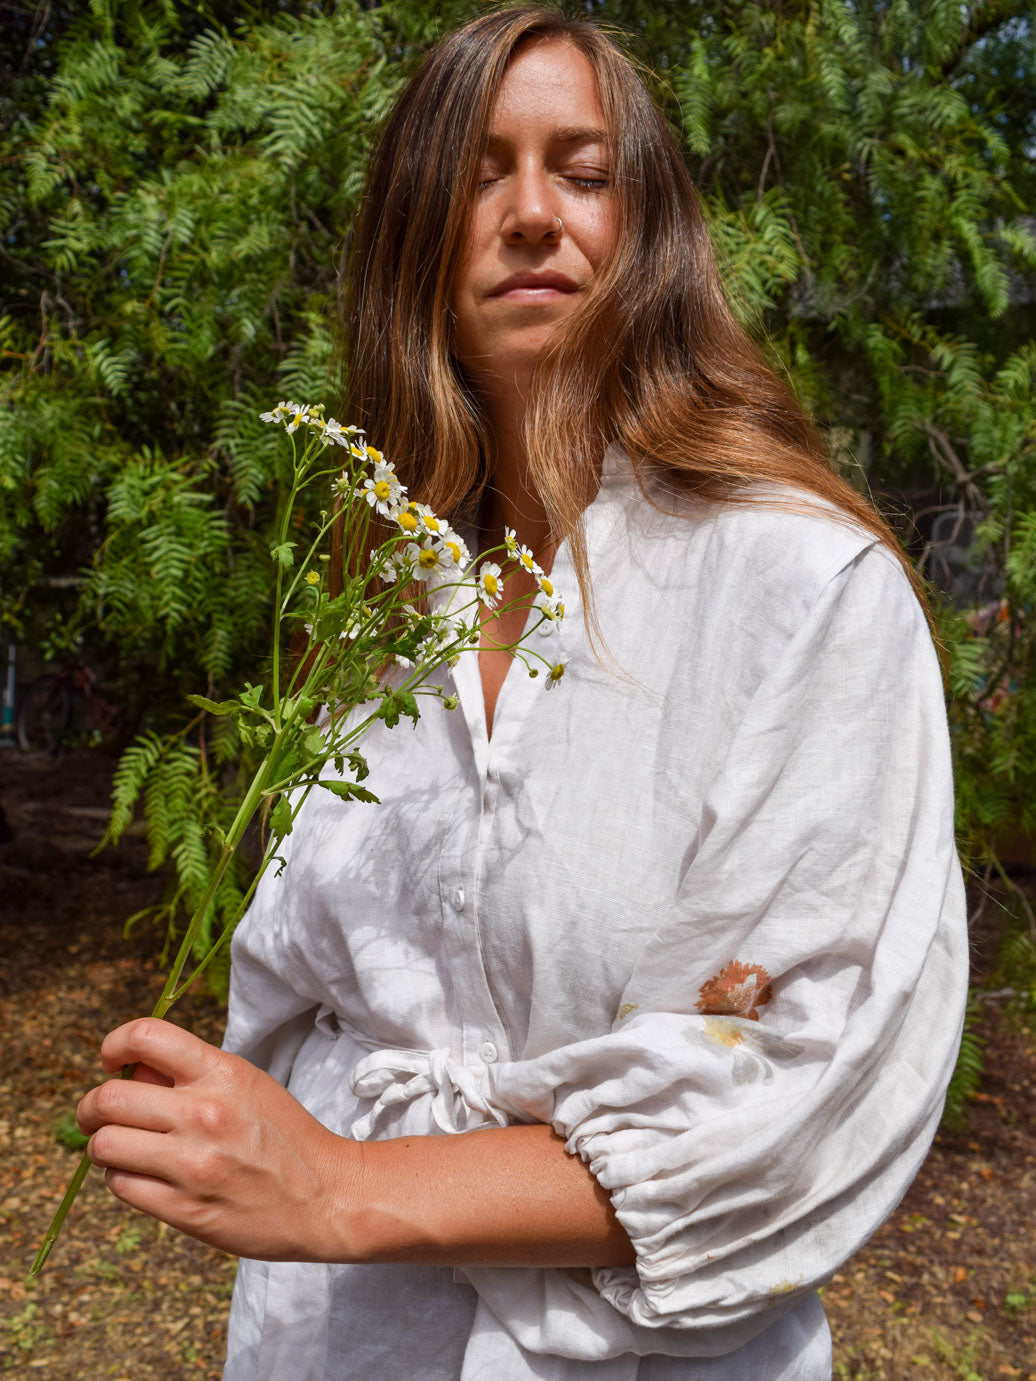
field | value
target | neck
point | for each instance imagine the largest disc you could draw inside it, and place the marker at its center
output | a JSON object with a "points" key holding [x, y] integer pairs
{"points": [[510, 499]]}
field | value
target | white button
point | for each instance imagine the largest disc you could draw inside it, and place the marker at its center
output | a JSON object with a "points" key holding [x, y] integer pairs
{"points": [[458, 899], [487, 1052]]}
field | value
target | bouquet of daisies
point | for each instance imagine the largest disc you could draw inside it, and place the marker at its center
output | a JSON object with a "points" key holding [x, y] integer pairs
{"points": [[357, 638]]}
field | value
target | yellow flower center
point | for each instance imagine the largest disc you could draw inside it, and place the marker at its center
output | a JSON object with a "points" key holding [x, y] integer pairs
{"points": [[527, 561], [546, 586], [490, 583], [383, 489], [407, 521], [432, 524], [454, 548], [313, 578], [428, 559], [556, 673]]}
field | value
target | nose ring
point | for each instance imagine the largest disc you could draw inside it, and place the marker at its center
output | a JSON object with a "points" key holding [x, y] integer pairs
{"points": [[561, 228]]}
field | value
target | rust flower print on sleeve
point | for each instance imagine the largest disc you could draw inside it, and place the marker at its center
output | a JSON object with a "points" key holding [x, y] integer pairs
{"points": [[728, 1003], [736, 992]]}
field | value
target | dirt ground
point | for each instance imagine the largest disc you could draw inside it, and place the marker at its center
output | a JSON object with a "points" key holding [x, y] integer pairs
{"points": [[946, 1289]]}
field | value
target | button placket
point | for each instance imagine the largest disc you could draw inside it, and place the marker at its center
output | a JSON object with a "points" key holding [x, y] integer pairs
{"points": [[472, 1010]]}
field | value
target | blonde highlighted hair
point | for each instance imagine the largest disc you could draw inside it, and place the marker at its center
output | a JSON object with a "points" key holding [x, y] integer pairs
{"points": [[654, 360]]}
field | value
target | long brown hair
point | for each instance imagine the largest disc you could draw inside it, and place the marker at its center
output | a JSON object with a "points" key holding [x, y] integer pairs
{"points": [[654, 360]]}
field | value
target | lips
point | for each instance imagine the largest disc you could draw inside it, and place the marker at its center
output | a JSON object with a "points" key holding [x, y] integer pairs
{"points": [[535, 280]]}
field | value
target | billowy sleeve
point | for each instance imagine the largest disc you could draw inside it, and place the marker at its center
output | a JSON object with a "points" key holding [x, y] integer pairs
{"points": [[777, 1068]]}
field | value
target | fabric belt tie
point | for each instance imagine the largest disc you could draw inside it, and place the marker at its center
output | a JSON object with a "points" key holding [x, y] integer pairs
{"points": [[399, 1076]]}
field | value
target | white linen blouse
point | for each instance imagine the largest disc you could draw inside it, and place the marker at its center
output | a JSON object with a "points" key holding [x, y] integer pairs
{"points": [[699, 908]]}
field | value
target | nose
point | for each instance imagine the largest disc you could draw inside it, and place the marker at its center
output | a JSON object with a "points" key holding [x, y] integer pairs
{"points": [[530, 214]]}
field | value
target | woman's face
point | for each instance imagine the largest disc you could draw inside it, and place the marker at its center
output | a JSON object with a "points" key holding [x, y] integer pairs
{"points": [[546, 160]]}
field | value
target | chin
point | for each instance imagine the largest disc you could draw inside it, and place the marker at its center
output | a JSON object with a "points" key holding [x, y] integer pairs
{"points": [[530, 348], [511, 356]]}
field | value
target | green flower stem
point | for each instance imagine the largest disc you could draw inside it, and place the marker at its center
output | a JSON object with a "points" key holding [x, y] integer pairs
{"points": [[300, 567], [282, 535], [228, 931], [57, 1222], [170, 992], [243, 818]]}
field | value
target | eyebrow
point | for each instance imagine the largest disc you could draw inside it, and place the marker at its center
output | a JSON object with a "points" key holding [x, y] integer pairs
{"points": [[562, 134]]}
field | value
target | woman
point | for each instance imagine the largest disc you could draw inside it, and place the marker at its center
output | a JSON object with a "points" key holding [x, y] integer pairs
{"points": [[685, 941]]}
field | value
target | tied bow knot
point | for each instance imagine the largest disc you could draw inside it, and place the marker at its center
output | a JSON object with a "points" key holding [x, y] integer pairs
{"points": [[391, 1077]]}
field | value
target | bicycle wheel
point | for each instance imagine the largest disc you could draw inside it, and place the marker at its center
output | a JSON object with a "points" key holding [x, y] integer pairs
{"points": [[44, 715]]}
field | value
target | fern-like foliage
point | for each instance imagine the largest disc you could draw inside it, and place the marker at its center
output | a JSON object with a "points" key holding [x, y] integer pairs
{"points": [[967, 1074]]}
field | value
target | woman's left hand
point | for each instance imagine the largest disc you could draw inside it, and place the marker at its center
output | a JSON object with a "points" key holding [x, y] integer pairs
{"points": [[216, 1148]]}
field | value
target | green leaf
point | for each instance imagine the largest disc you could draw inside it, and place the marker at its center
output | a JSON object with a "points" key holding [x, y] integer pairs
{"points": [[283, 554], [313, 741], [348, 791], [252, 695], [396, 704], [297, 706], [280, 818], [213, 706]]}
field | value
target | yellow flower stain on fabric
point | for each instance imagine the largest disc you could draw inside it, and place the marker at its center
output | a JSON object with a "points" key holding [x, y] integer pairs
{"points": [[724, 1031], [782, 1288]]}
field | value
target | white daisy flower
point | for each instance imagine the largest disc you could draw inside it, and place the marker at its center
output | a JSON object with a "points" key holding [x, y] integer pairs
{"points": [[511, 541], [556, 672], [298, 413], [490, 586], [553, 612], [425, 558], [427, 519], [455, 547], [334, 431], [525, 558], [277, 414], [383, 492], [408, 519]]}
